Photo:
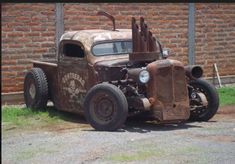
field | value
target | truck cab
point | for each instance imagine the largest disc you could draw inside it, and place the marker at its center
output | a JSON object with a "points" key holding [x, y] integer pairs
{"points": [[80, 55]]}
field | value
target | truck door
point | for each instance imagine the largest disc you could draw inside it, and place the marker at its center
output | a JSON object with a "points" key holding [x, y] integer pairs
{"points": [[72, 76]]}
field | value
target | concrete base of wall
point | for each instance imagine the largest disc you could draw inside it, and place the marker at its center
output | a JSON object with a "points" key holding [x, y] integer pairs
{"points": [[225, 80], [16, 98]]}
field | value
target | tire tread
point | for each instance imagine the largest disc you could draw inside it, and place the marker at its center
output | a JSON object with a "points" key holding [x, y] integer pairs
{"points": [[42, 88]]}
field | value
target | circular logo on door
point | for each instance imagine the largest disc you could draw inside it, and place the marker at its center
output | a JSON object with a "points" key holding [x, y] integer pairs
{"points": [[73, 86]]}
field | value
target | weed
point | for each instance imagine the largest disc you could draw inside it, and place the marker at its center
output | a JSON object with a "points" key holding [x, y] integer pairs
{"points": [[227, 95]]}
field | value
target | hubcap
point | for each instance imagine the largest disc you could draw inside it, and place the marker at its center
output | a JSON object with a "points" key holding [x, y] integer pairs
{"points": [[103, 108]]}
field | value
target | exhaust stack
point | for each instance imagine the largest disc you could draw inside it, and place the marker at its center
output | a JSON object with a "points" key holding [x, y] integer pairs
{"points": [[108, 16], [194, 72], [145, 48]]}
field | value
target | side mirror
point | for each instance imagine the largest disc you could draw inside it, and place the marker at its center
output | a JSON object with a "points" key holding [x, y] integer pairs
{"points": [[165, 53]]}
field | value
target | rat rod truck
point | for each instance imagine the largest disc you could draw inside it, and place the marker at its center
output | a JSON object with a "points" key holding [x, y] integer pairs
{"points": [[108, 75]]}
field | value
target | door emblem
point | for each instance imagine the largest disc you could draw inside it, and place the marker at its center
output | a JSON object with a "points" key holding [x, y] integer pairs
{"points": [[73, 87]]}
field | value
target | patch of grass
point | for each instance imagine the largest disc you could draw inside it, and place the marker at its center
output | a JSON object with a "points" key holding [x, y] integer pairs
{"points": [[227, 96], [34, 152], [144, 151], [24, 117], [136, 151], [136, 156]]}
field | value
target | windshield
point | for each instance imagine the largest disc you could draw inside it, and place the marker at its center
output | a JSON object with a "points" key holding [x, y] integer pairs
{"points": [[112, 48]]}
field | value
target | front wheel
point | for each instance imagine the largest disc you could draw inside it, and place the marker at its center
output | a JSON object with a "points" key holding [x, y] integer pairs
{"points": [[204, 100], [105, 107]]}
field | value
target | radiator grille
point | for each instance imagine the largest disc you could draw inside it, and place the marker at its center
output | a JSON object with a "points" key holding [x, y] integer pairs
{"points": [[168, 87], [164, 84], [171, 84], [180, 83]]}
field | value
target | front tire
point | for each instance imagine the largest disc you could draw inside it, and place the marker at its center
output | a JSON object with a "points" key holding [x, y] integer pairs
{"points": [[36, 89], [106, 107], [204, 113]]}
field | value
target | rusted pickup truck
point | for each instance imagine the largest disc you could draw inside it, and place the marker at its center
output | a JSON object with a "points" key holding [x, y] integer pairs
{"points": [[108, 75]]}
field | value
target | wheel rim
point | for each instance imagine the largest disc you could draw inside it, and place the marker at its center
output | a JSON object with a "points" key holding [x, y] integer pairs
{"points": [[29, 91], [32, 90], [103, 108], [200, 111]]}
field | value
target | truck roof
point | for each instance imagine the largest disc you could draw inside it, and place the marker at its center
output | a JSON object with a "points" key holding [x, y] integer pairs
{"points": [[88, 37]]}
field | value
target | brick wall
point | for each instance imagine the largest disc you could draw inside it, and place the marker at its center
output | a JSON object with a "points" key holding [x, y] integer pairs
{"points": [[28, 32], [215, 37]]}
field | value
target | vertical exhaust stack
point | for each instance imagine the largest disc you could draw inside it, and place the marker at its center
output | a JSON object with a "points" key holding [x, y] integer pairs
{"points": [[144, 43], [108, 16]]}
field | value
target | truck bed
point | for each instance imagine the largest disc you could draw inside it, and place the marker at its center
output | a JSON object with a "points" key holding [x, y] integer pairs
{"points": [[49, 62]]}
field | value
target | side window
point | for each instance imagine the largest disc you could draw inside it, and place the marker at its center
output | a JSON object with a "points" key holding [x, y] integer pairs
{"points": [[73, 50]]}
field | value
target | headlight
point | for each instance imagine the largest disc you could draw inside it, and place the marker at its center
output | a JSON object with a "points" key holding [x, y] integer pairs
{"points": [[166, 52], [144, 76]]}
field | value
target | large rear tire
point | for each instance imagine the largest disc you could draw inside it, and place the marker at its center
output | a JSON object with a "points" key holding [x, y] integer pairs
{"points": [[203, 113], [106, 107], [36, 89]]}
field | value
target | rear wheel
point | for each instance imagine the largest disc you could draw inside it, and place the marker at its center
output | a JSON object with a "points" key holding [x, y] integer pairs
{"points": [[36, 89], [105, 107], [204, 100]]}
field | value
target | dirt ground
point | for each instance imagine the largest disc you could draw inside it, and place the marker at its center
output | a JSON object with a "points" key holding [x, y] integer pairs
{"points": [[137, 142]]}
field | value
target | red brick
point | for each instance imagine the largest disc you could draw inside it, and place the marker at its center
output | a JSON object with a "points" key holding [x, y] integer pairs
{"points": [[18, 67], [15, 34], [15, 46], [48, 44], [48, 34], [17, 56], [5, 68], [9, 74], [38, 28], [31, 34], [39, 50]]}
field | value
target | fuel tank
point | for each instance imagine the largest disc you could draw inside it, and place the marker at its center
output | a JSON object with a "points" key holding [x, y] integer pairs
{"points": [[167, 90]]}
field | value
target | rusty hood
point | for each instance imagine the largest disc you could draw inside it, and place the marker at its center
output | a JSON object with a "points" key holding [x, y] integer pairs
{"points": [[89, 37], [112, 63]]}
